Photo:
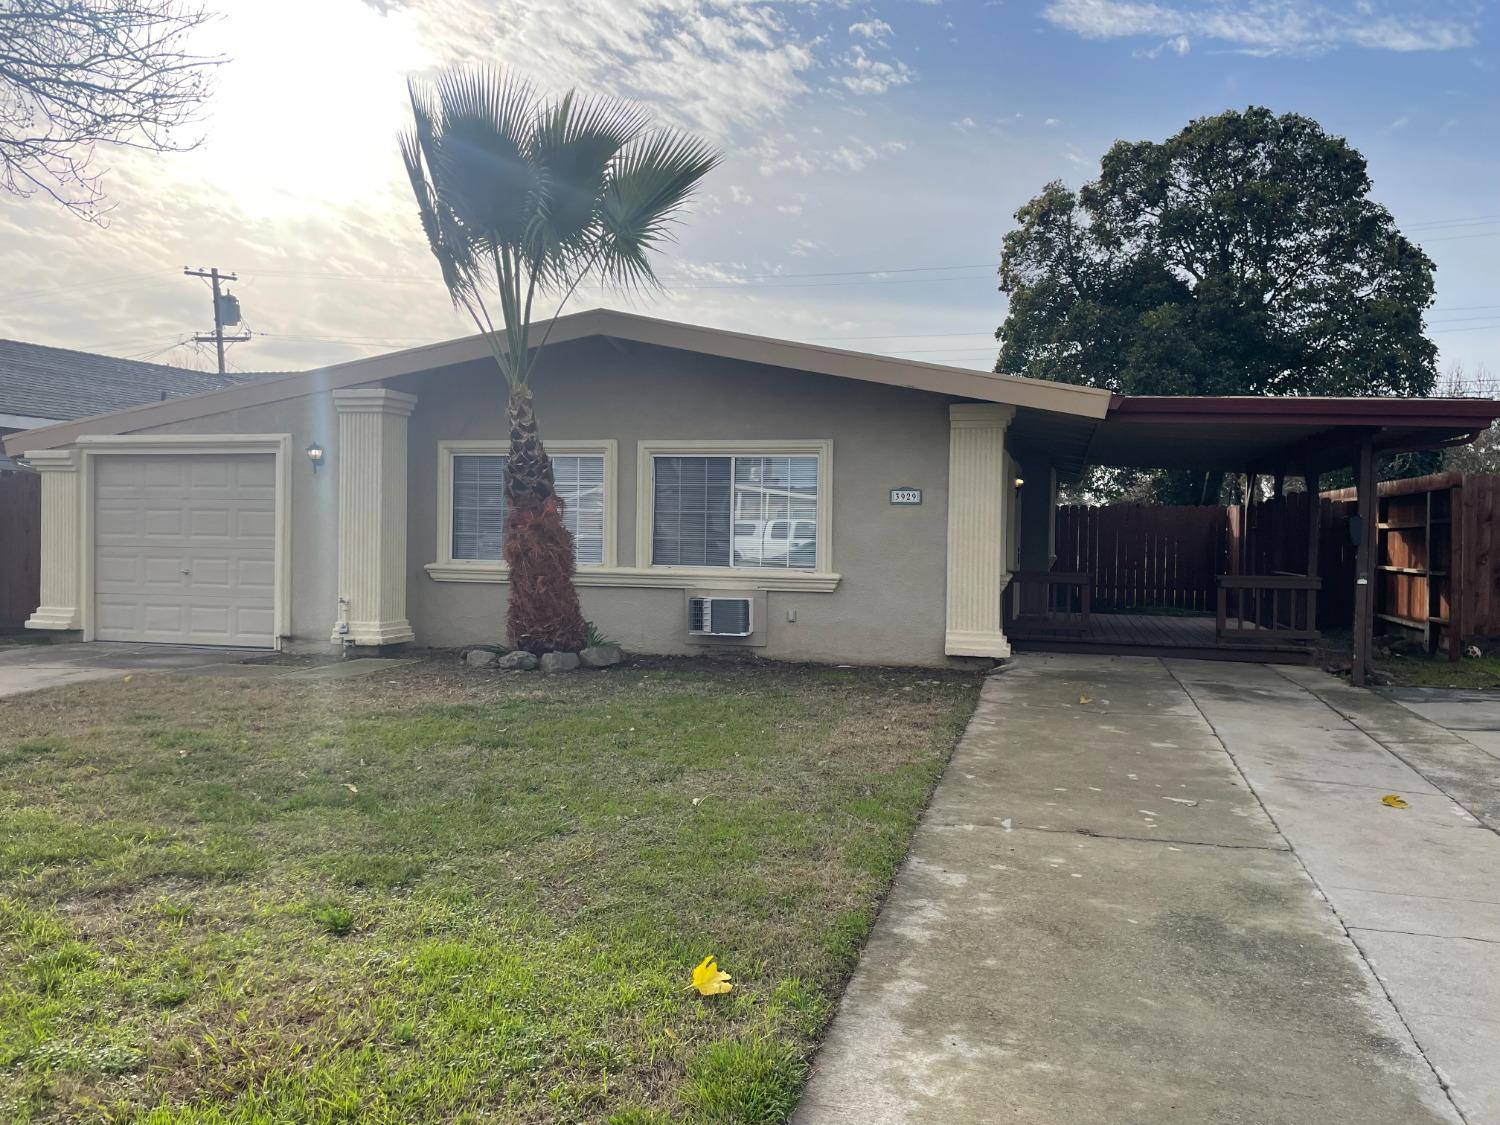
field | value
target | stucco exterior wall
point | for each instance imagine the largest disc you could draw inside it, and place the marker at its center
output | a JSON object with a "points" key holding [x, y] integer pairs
{"points": [[889, 604]]}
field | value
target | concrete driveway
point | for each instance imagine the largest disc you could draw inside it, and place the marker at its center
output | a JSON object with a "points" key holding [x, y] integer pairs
{"points": [[1153, 891], [30, 667]]}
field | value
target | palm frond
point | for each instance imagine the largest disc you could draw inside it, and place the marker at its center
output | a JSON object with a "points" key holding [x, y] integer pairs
{"points": [[453, 252], [651, 180], [479, 161], [575, 143]]}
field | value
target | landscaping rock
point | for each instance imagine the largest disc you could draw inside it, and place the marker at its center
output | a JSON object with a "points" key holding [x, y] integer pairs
{"points": [[559, 661], [600, 656], [517, 662], [481, 658]]}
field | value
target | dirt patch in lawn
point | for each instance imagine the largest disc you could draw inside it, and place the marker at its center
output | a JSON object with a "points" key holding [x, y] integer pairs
{"points": [[441, 894]]}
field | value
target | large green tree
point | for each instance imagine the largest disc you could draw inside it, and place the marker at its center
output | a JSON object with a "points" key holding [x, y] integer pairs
{"points": [[1242, 256], [522, 197]]}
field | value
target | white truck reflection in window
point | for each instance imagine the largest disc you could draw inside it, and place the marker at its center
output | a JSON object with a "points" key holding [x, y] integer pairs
{"points": [[790, 543]]}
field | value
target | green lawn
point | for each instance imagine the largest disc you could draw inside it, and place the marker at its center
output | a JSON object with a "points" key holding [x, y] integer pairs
{"points": [[446, 895]]}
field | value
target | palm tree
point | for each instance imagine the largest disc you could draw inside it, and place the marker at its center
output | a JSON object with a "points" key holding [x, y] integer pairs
{"points": [[525, 197]]}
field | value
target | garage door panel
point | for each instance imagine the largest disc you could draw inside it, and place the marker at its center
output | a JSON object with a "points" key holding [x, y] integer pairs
{"points": [[256, 475], [161, 523], [256, 524], [156, 472], [183, 554], [210, 523]]}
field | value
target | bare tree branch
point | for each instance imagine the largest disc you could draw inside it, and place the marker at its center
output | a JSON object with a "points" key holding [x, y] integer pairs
{"points": [[78, 74]]}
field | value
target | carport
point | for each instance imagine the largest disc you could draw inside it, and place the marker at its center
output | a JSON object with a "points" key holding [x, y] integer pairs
{"points": [[1270, 616]]}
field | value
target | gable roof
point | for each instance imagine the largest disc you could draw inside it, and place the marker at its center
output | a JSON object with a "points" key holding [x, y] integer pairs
{"points": [[1087, 402], [38, 382]]}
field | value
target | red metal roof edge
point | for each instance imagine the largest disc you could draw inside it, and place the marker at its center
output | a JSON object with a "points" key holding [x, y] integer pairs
{"points": [[1326, 411]]}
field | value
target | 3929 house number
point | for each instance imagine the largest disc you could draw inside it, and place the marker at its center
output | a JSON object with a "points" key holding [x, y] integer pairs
{"points": [[906, 496]]}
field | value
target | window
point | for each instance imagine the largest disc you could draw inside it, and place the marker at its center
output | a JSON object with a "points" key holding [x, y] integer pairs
{"points": [[478, 505], [735, 511]]}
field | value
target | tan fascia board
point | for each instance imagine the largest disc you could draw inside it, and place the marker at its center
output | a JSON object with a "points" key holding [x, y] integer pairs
{"points": [[1063, 398]]}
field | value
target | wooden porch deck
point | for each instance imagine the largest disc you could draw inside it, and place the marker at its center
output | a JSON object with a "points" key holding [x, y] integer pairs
{"points": [[1145, 634]]}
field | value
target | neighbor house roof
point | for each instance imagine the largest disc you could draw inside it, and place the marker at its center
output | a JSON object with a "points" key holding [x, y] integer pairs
{"points": [[40, 385], [1087, 402]]}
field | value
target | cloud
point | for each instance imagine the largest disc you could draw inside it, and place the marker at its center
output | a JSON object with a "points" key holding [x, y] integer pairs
{"points": [[709, 65], [1178, 45], [299, 189], [868, 75], [1265, 27], [870, 29], [788, 153], [965, 124]]}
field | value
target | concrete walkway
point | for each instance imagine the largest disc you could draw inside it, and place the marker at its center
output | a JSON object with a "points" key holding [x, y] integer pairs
{"points": [[1155, 891], [33, 667]]}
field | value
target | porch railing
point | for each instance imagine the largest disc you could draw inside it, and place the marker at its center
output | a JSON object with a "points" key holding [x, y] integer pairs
{"points": [[1267, 608], [1064, 603]]}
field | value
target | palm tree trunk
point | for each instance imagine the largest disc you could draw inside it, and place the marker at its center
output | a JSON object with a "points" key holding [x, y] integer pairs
{"points": [[544, 614]]}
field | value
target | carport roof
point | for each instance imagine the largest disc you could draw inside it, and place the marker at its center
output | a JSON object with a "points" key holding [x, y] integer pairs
{"points": [[1268, 434], [1238, 434]]}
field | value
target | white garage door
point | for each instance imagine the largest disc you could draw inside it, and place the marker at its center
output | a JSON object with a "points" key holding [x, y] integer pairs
{"points": [[185, 549]]}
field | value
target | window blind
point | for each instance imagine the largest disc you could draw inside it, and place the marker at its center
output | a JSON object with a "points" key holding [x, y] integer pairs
{"points": [[735, 511], [479, 505]]}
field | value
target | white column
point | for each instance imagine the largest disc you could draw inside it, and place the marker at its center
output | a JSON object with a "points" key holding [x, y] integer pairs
{"points": [[978, 525], [62, 585], [372, 515]]}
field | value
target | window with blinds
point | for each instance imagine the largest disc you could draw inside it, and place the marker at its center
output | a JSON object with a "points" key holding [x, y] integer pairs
{"points": [[735, 511], [479, 505]]}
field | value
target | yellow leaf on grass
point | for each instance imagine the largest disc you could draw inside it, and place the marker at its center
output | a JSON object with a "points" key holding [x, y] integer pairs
{"points": [[707, 978], [1394, 801]]}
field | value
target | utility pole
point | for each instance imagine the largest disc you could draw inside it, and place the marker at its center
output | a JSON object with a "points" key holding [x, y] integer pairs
{"points": [[218, 337]]}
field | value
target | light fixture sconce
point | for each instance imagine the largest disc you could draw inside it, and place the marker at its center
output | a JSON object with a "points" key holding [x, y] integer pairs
{"points": [[1020, 481], [315, 455]]}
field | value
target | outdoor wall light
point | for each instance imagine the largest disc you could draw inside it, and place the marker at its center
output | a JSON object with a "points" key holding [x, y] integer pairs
{"points": [[1020, 481], [315, 455]]}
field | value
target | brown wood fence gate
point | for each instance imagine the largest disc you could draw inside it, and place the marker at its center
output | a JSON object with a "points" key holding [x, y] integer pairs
{"points": [[20, 546], [1144, 556]]}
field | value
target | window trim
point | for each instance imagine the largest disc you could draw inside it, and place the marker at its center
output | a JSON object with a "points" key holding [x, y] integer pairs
{"points": [[821, 577], [447, 568]]}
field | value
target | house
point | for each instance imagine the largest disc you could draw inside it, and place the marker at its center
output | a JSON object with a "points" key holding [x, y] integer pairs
{"points": [[40, 385], [855, 508]]}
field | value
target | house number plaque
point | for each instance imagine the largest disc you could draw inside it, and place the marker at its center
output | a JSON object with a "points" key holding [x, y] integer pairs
{"points": [[906, 496]]}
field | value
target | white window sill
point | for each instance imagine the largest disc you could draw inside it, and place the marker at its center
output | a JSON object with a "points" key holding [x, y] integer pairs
{"points": [[669, 577]]}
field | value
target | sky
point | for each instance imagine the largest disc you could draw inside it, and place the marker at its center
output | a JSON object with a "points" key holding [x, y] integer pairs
{"points": [[875, 153]]}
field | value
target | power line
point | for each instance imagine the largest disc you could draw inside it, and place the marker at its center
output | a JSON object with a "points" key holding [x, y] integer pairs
{"points": [[103, 283]]}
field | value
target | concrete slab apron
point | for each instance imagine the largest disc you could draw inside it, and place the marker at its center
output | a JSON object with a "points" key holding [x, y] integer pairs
{"points": [[1417, 888], [33, 667], [1099, 923]]}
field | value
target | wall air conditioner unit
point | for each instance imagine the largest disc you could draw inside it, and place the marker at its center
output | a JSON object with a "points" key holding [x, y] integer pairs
{"points": [[719, 617]]}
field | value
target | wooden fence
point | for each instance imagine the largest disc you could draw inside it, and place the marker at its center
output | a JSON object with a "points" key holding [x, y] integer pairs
{"points": [[1435, 535], [20, 546], [1144, 556]]}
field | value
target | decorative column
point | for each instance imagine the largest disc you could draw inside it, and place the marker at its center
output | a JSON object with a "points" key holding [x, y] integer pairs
{"points": [[978, 519], [372, 515], [62, 586]]}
